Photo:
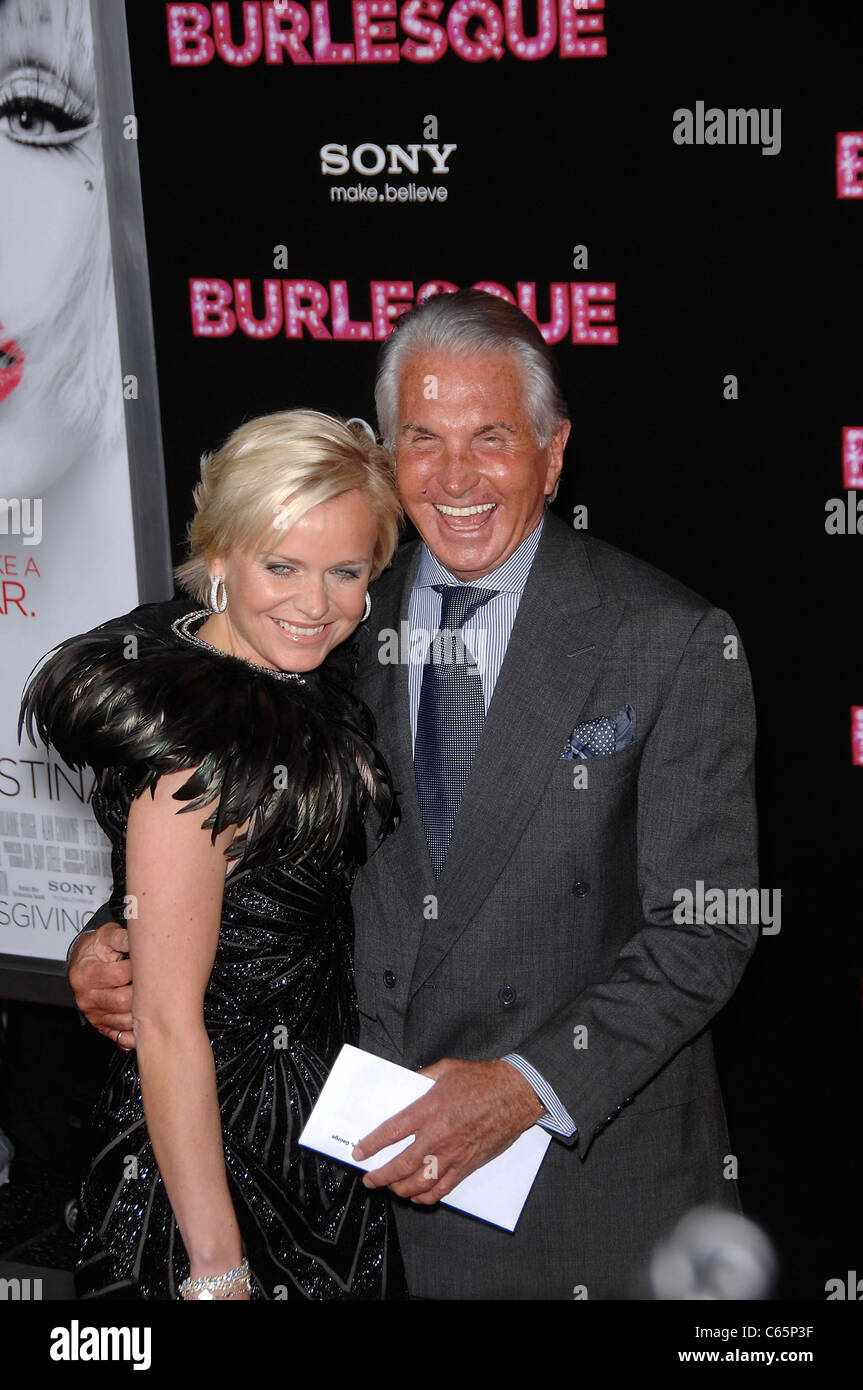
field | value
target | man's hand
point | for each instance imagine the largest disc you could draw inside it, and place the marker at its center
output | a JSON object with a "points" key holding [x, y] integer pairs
{"points": [[474, 1111], [101, 980]]}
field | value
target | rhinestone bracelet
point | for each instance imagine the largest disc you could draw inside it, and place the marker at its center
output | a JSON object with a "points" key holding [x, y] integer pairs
{"points": [[233, 1281]]}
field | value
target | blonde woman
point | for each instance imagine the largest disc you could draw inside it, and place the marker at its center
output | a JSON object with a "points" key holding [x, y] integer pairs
{"points": [[234, 772]]}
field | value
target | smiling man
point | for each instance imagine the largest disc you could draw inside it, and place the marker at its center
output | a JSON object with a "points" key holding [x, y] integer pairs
{"points": [[516, 938]]}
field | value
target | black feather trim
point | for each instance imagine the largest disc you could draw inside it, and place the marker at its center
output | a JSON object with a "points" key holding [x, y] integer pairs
{"points": [[133, 701]]}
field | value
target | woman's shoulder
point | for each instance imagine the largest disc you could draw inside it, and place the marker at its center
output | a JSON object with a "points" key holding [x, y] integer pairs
{"points": [[133, 688], [142, 693], [145, 631], [152, 622]]}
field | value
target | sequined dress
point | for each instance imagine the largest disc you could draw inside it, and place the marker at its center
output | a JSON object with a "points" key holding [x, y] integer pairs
{"points": [[280, 1001]]}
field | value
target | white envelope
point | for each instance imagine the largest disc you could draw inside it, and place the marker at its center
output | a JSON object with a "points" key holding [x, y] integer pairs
{"points": [[362, 1091]]}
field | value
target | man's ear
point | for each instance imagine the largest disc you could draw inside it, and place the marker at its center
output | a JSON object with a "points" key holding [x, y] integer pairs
{"points": [[556, 446]]}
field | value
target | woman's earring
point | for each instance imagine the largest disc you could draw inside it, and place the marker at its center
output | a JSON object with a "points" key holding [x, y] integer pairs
{"points": [[215, 605], [368, 608]]}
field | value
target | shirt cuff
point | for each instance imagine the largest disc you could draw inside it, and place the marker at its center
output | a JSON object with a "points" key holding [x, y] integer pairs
{"points": [[556, 1118]]}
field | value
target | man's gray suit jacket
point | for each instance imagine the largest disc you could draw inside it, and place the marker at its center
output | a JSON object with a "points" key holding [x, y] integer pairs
{"points": [[551, 931]]}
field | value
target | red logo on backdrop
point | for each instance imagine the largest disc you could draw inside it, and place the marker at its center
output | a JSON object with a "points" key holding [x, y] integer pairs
{"points": [[852, 457], [475, 30], [857, 735], [849, 164], [297, 308]]}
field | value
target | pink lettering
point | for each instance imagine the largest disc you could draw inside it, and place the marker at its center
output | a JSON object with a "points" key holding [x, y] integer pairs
{"points": [[310, 313], [492, 287], [555, 330], [267, 327], [577, 20], [285, 26], [188, 41], [435, 287], [586, 312], [852, 457], [253, 38], [325, 50], [487, 35], [435, 45], [211, 317], [368, 32], [390, 298], [543, 42], [849, 165], [343, 326], [857, 735]]}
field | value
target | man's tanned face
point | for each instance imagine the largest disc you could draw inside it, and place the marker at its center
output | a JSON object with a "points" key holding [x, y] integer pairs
{"points": [[471, 474]]}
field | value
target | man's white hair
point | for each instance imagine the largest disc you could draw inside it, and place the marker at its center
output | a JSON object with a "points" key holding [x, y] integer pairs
{"points": [[471, 321]]}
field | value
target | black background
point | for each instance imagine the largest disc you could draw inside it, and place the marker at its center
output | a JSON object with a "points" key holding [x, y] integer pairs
{"points": [[725, 261]]}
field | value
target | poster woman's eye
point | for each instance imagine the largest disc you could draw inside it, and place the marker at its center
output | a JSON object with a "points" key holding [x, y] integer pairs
{"points": [[38, 109]]}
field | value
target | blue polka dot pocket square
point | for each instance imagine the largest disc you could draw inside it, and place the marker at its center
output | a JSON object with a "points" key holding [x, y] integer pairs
{"points": [[598, 738]]}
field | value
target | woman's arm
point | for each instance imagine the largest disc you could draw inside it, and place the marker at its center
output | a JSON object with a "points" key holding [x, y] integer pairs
{"points": [[175, 876]]}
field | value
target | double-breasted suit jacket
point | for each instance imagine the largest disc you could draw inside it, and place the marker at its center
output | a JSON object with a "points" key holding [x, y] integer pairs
{"points": [[554, 928]]}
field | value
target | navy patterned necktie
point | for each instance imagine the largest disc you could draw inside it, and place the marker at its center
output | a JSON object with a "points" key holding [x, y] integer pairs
{"points": [[450, 718]]}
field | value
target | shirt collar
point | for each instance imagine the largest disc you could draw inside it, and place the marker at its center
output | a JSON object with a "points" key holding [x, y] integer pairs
{"points": [[509, 577]]}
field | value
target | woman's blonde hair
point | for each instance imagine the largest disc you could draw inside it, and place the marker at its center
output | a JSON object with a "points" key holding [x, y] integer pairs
{"points": [[273, 470]]}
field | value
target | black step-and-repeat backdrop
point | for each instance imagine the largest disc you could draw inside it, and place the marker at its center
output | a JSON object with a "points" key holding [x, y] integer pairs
{"points": [[675, 194]]}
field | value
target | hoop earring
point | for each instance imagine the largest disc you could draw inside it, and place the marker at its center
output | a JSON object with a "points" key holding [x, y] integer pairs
{"points": [[215, 605], [368, 608], [364, 426]]}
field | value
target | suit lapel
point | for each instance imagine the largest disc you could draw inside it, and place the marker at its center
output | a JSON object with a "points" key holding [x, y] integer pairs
{"points": [[404, 857], [558, 642]]}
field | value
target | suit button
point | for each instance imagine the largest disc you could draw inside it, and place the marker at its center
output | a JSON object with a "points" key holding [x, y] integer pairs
{"points": [[506, 996], [580, 889], [389, 979]]}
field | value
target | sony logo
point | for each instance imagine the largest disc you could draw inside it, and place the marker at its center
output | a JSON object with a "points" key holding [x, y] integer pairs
{"points": [[370, 159]]}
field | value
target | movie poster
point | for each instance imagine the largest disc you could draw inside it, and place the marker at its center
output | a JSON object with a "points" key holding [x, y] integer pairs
{"points": [[67, 548]]}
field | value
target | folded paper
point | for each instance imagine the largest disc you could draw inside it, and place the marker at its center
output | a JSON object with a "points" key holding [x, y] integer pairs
{"points": [[362, 1091]]}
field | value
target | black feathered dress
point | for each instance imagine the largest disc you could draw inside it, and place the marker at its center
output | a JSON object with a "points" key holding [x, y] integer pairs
{"points": [[142, 696]]}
